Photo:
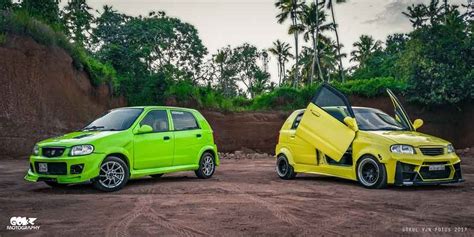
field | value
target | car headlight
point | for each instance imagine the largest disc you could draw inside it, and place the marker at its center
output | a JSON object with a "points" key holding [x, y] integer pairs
{"points": [[36, 150], [81, 150], [450, 148], [402, 149]]}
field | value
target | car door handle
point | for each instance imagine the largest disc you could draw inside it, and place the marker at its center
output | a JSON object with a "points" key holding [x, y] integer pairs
{"points": [[198, 135], [292, 136], [315, 113], [166, 138]]}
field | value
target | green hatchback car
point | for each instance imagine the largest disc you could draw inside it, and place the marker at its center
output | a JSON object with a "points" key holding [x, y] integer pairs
{"points": [[127, 143]]}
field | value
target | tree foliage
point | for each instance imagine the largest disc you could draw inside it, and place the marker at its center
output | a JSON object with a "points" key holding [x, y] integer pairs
{"points": [[435, 59], [78, 19], [44, 10]]}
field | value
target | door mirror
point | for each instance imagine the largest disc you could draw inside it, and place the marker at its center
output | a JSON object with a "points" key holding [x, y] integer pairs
{"points": [[145, 129], [417, 123], [351, 123]]}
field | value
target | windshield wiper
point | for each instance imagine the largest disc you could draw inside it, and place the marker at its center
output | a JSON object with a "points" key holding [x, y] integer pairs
{"points": [[390, 129], [93, 128]]}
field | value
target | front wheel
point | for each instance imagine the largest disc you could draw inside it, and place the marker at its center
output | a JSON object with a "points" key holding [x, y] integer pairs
{"points": [[284, 169], [371, 173], [207, 166], [113, 175]]}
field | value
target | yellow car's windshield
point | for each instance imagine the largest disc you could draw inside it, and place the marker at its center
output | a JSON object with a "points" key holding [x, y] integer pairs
{"points": [[376, 120]]}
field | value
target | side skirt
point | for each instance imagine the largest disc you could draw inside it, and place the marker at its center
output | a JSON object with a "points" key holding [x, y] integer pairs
{"points": [[162, 170]]}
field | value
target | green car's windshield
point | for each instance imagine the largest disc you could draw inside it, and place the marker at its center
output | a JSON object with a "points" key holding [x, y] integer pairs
{"points": [[115, 120], [373, 120]]}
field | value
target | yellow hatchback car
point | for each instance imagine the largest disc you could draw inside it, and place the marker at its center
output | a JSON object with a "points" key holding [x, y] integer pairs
{"points": [[330, 137]]}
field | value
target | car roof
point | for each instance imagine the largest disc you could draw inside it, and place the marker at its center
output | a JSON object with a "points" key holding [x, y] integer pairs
{"points": [[155, 107], [359, 108]]}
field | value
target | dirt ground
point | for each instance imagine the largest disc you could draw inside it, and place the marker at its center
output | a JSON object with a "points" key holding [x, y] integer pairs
{"points": [[244, 198]]}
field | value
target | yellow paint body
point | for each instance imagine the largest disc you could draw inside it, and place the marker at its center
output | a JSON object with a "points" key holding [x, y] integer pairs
{"points": [[318, 131]]}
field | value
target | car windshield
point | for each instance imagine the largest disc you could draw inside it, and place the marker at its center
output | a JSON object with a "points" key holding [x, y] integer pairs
{"points": [[115, 120], [373, 120]]}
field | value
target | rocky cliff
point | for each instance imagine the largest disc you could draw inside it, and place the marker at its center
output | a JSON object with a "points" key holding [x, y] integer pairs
{"points": [[42, 94]]}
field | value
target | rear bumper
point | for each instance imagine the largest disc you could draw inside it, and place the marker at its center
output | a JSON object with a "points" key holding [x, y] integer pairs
{"points": [[411, 175], [69, 174]]}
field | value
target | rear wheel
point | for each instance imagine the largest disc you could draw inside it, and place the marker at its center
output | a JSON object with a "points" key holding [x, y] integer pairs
{"points": [[114, 174], [207, 166], [371, 173], [284, 169]]}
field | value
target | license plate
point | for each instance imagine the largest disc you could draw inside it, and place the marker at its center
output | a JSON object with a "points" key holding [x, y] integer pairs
{"points": [[43, 167], [436, 167]]}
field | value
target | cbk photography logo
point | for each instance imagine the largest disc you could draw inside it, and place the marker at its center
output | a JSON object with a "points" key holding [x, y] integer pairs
{"points": [[22, 223]]}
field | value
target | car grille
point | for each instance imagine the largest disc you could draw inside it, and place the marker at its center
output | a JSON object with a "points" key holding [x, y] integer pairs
{"points": [[436, 174], [52, 151], [432, 151], [56, 168]]}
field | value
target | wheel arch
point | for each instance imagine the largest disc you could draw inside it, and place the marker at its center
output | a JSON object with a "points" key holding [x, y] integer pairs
{"points": [[387, 164], [210, 149], [285, 151], [122, 157]]}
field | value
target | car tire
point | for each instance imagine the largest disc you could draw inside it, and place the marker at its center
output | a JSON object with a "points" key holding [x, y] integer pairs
{"points": [[55, 184], [207, 166], [371, 173], [284, 169], [156, 176], [113, 175]]}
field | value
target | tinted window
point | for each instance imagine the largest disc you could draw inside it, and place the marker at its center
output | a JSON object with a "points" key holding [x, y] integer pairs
{"points": [[183, 120], [297, 121], [333, 102], [114, 120], [327, 98], [156, 119], [372, 119]]}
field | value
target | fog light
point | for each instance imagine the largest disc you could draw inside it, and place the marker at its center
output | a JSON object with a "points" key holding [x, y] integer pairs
{"points": [[77, 169]]}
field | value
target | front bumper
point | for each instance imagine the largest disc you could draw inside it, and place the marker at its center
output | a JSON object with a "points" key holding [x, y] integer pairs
{"points": [[66, 170], [416, 175]]}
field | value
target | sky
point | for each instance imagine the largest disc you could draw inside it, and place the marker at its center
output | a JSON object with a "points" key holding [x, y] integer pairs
{"points": [[234, 22]]}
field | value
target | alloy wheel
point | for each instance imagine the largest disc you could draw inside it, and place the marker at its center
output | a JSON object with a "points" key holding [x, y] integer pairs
{"points": [[111, 174], [282, 167], [368, 172], [208, 165]]}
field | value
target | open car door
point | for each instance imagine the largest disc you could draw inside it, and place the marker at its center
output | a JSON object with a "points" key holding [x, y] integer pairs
{"points": [[322, 124], [400, 113]]}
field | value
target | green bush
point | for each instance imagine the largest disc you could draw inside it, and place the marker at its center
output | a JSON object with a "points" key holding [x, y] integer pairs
{"points": [[100, 73], [372, 87], [288, 98]]}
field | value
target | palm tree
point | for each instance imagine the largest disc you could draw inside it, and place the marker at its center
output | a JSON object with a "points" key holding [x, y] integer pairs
{"points": [[416, 14], [329, 5], [364, 48], [281, 50], [328, 58], [312, 24], [221, 59], [290, 9]]}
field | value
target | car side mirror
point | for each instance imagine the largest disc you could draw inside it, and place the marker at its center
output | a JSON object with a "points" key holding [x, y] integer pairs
{"points": [[351, 123], [417, 123], [145, 129]]}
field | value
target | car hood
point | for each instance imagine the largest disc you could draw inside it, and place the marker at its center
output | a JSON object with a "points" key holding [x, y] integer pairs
{"points": [[76, 138], [411, 138]]}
